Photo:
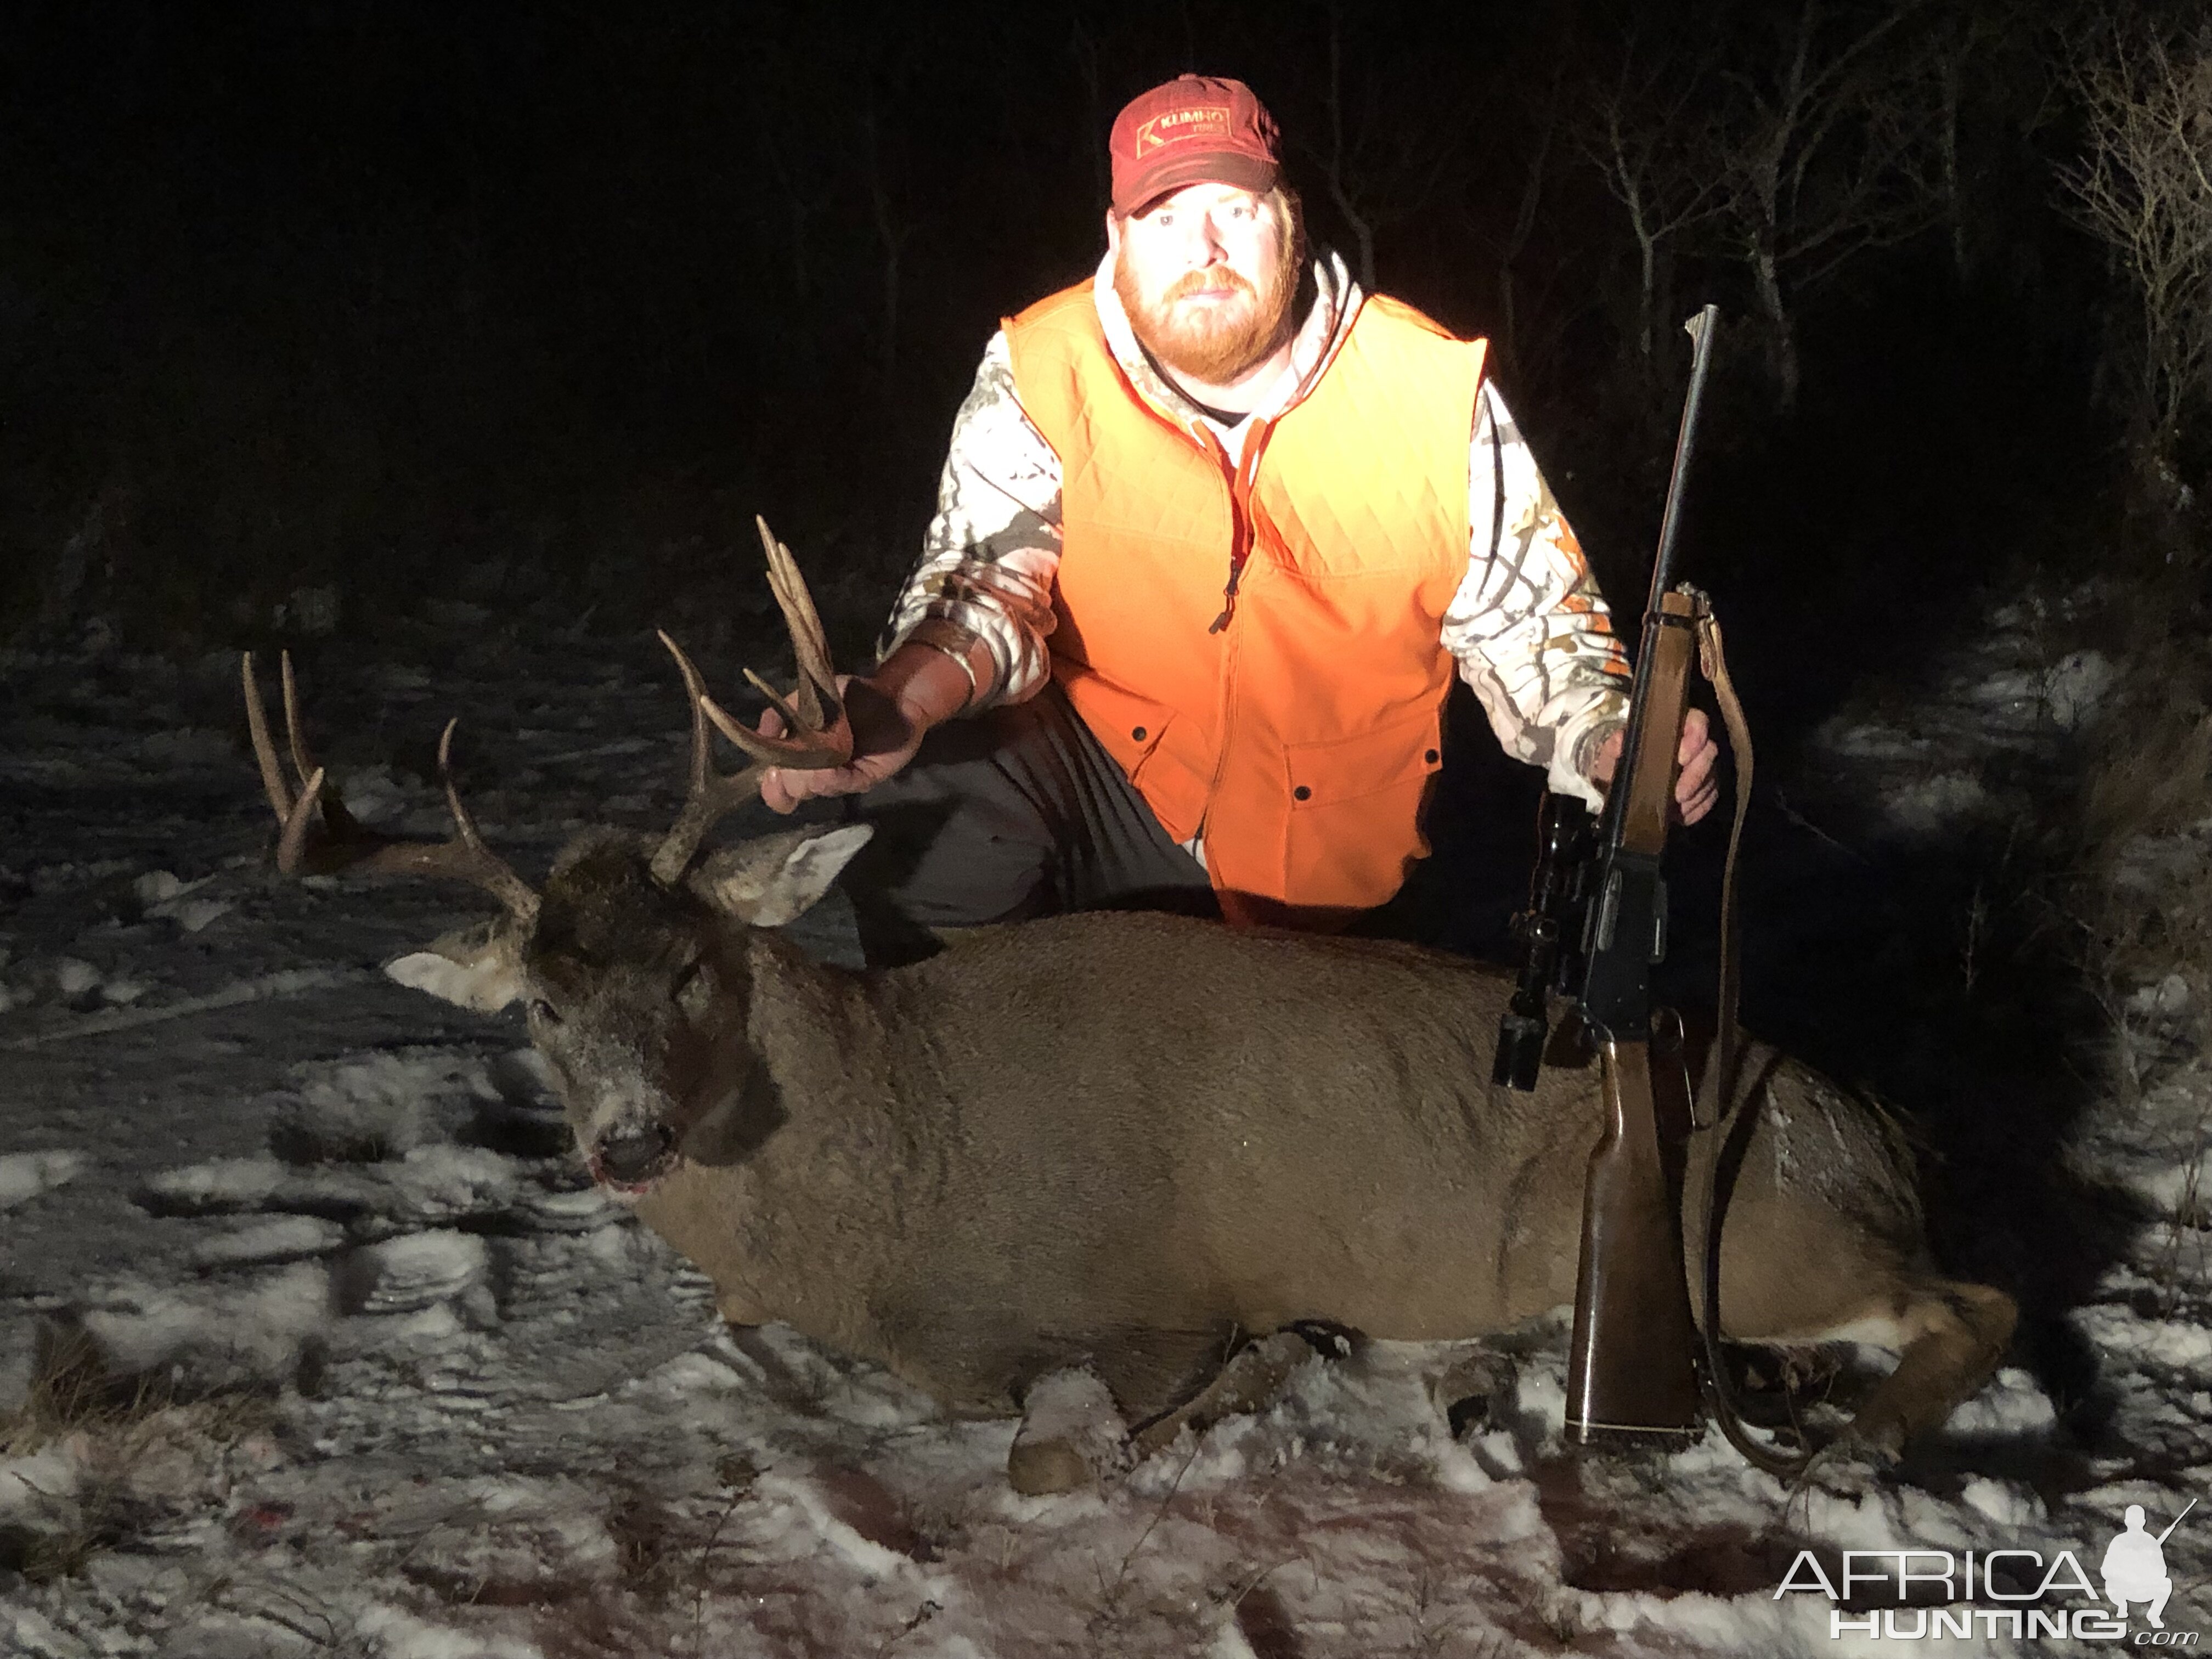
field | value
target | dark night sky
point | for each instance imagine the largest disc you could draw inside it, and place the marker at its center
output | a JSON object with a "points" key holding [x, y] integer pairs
{"points": [[368, 292]]}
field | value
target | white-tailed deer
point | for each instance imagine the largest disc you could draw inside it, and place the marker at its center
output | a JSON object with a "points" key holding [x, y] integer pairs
{"points": [[1117, 1141]]}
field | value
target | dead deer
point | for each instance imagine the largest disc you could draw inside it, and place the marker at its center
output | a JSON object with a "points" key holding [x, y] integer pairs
{"points": [[1115, 1141]]}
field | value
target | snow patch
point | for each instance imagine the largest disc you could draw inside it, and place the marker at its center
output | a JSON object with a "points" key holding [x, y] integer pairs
{"points": [[267, 1243], [74, 979], [164, 895], [375, 1106], [203, 1339], [1929, 804], [24, 1175], [413, 1271], [2076, 686], [39, 1492], [222, 1186], [2177, 1344], [2011, 1406]]}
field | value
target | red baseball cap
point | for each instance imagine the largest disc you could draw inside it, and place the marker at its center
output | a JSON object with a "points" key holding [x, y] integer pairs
{"points": [[1195, 130]]}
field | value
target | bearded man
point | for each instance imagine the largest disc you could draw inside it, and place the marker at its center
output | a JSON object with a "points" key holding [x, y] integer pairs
{"points": [[1215, 533]]}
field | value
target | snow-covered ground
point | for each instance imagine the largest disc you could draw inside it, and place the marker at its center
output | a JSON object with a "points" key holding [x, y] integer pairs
{"points": [[317, 1341]]}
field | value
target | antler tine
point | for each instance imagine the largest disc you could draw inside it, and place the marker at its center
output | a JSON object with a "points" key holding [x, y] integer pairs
{"points": [[711, 793], [292, 840], [817, 734], [345, 845], [809, 644], [473, 859], [293, 813], [462, 858], [264, 748], [302, 766]]}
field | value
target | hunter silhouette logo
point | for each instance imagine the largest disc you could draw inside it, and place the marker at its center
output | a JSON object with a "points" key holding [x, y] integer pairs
{"points": [[2006, 1592], [1206, 121], [2135, 1566]]}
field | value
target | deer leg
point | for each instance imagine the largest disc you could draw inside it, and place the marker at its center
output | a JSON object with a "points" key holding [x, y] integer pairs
{"points": [[1953, 1334], [1251, 1378]]}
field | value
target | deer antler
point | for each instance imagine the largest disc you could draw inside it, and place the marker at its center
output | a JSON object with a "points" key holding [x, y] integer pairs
{"points": [[344, 843], [820, 734]]}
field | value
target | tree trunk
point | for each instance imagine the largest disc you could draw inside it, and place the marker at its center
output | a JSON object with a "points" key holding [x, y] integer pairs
{"points": [[1524, 224], [1781, 340], [1363, 233], [1647, 248], [1954, 193]]}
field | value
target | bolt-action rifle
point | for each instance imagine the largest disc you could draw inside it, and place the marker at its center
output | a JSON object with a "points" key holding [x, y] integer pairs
{"points": [[1596, 926]]}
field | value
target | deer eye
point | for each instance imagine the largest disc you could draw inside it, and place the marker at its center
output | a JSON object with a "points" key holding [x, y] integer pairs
{"points": [[542, 1010]]}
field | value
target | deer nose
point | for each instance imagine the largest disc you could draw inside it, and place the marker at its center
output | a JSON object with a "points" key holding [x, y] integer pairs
{"points": [[633, 1158]]}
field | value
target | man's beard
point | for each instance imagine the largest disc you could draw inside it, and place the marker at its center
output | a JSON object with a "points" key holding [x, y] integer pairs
{"points": [[1219, 340]]}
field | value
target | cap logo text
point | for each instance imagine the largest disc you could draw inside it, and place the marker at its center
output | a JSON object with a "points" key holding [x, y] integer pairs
{"points": [[1208, 121]]}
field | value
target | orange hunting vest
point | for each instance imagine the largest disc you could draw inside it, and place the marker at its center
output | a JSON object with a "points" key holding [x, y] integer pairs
{"points": [[1292, 710]]}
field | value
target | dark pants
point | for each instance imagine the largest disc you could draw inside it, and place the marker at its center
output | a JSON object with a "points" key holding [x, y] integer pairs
{"points": [[1014, 813]]}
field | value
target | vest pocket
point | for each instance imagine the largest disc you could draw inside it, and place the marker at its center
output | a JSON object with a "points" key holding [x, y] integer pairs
{"points": [[1398, 755], [1355, 808]]}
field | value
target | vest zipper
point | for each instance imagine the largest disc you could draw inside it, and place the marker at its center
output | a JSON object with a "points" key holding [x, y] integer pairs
{"points": [[1240, 480], [1229, 593]]}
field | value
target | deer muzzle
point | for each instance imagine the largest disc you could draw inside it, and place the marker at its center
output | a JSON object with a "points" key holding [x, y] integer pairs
{"points": [[632, 1160]]}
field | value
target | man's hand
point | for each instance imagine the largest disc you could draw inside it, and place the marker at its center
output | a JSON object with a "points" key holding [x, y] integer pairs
{"points": [[1696, 789], [892, 711], [885, 738]]}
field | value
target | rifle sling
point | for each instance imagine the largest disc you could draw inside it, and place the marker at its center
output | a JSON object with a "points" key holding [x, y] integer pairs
{"points": [[1728, 1050], [1714, 663]]}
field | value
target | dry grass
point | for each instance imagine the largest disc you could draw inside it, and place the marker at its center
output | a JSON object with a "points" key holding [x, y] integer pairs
{"points": [[2154, 780], [71, 1394], [114, 1431]]}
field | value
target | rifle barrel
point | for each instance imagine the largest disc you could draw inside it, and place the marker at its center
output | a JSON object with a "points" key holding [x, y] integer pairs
{"points": [[1700, 331]]}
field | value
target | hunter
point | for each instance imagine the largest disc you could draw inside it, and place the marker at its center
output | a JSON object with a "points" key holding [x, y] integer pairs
{"points": [[1216, 530]]}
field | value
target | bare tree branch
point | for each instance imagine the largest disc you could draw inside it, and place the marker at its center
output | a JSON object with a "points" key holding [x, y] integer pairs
{"points": [[2144, 188], [1828, 142]]}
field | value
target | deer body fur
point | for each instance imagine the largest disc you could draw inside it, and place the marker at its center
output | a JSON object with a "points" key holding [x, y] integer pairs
{"points": [[1118, 1140]]}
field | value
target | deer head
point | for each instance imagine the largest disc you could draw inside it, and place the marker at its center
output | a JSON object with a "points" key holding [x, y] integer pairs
{"points": [[632, 963]]}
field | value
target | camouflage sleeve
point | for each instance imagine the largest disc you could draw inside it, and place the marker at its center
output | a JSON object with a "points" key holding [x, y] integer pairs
{"points": [[1530, 630], [991, 550]]}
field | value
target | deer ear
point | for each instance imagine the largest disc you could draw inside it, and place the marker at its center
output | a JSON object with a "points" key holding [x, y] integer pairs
{"points": [[475, 968], [767, 882]]}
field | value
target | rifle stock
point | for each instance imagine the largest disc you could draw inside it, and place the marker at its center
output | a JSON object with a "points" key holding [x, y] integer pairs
{"points": [[1632, 1374]]}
